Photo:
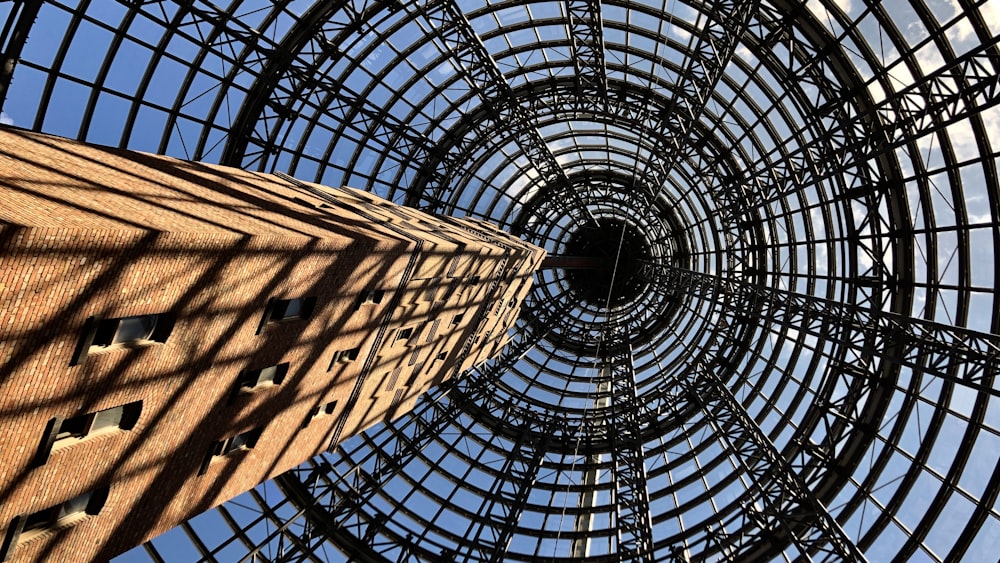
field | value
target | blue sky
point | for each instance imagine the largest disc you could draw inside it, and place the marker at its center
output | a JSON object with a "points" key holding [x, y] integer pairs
{"points": [[946, 177]]}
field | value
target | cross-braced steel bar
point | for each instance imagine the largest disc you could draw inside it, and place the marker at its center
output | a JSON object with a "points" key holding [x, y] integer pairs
{"points": [[501, 510], [455, 31], [959, 355], [784, 509], [705, 63], [854, 137], [586, 32], [294, 76], [632, 518]]}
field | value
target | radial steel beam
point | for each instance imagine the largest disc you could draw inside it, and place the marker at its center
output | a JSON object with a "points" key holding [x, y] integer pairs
{"points": [[716, 44], [463, 44], [556, 261], [501, 510], [854, 138], [784, 509], [958, 355], [586, 32], [632, 518]]}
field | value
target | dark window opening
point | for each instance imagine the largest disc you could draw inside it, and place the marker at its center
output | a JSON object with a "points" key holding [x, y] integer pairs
{"points": [[283, 310], [127, 329], [370, 297], [324, 410], [102, 334], [458, 318], [441, 356], [344, 356], [260, 377], [404, 334], [288, 309], [244, 441], [62, 432], [64, 514]]}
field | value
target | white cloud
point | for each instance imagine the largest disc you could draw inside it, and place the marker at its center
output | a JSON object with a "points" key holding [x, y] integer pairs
{"points": [[6, 119]]}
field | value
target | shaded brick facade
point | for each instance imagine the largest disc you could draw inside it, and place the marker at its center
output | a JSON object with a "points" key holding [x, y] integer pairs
{"points": [[287, 316]]}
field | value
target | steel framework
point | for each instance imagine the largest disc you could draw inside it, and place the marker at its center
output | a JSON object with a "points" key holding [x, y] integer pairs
{"points": [[803, 364]]}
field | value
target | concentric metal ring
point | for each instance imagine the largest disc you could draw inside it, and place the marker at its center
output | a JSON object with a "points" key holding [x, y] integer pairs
{"points": [[816, 182]]}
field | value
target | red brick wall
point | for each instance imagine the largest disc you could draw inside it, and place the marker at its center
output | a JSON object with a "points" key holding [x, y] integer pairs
{"points": [[89, 231]]}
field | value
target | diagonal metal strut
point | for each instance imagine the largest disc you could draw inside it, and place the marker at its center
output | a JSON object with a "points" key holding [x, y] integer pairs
{"points": [[472, 58], [783, 503]]}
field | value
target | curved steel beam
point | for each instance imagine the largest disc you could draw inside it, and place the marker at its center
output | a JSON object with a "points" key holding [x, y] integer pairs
{"points": [[12, 39]]}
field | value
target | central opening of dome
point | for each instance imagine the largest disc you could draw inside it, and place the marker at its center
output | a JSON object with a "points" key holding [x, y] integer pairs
{"points": [[608, 276]]}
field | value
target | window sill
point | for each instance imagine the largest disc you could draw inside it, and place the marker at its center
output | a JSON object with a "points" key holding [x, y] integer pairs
{"points": [[102, 350], [35, 535], [69, 443], [235, 456], [259, 388]]}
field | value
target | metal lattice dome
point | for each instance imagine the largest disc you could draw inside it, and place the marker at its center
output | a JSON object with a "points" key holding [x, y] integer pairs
{"points": [[782, 343]]}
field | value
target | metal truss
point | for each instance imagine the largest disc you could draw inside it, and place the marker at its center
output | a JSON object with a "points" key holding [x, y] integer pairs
{"points": [[782, 507], [294, 78], [966, 86], [453, 29], [959, 355], [587, 35], [846, 152], [628, 469], [703, 69]]}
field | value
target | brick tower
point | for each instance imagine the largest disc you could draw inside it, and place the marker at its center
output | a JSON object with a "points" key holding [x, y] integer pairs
{"points": [[174, 333]]}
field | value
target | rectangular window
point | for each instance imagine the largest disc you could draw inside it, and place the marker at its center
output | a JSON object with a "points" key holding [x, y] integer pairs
{"points": [[286, 310], [324, 410], [126, 329], [100, 334], [62, 515], [404, 334], [458, 319], [344, 357], [244, 441], [62, 432], [263, 377], [370, 297]]}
